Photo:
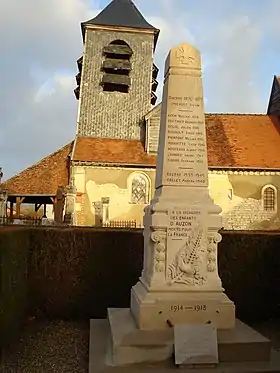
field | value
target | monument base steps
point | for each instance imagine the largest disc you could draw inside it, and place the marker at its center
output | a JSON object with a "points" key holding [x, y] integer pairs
{"points": [[116, 344], [153, 309]]}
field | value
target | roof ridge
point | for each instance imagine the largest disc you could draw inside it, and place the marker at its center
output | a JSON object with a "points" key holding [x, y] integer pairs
{"points": [[252, 114], [37, 163]]}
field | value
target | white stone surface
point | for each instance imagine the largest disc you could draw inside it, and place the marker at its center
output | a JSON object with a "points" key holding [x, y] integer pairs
{"points": [[182, 156], [240, 350], [195, 344], [181, 223], [3, 204], [46, 221]]}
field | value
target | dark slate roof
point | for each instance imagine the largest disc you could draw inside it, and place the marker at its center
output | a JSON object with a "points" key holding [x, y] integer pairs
{"points": [[122, 13], [274, 100]]}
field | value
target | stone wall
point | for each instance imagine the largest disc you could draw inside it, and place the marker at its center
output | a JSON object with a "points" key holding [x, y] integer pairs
{"points": [[238, 193], [113, 114], [152, 129], [93, 184]]}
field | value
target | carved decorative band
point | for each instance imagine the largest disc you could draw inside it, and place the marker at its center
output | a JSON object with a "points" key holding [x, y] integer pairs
{"points": [[159, 239], [213, 240], [244, 172]]}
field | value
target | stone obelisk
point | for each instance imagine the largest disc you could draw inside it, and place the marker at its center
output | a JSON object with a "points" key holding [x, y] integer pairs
{"points": [[180, 281]]}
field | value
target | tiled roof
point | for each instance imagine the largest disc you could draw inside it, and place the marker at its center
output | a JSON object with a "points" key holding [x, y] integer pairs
{"points": [[233, 140], [44, 177], [127, 152], [243, 140]]}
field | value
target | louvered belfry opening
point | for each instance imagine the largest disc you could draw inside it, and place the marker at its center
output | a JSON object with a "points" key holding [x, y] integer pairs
{"points": [[154, 84], [78, 77], [116, 67]]}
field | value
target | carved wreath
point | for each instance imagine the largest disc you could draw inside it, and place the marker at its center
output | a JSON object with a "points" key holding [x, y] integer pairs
{"points": [[186, 267], [159, 239]]}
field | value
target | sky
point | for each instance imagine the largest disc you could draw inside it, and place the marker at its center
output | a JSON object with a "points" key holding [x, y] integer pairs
{"points": [[239, 41]]}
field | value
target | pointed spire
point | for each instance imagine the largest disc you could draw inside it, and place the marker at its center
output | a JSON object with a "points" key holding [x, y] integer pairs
{"points": [[121, 13], [274, 100]]}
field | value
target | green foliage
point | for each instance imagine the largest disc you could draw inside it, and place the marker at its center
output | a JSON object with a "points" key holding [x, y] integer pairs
{"points": [[14, 245]]}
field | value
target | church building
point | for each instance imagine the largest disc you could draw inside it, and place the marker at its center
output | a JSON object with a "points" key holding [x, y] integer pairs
{"points": [[108, 171]]}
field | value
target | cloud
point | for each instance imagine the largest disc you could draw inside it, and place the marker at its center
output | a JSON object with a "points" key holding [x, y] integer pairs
{"points": [[232, 50], [230, 44], [41, 41]]}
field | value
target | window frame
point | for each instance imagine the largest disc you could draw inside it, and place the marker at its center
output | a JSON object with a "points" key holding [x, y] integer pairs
{"points": [[266, 187], [130, 179]]}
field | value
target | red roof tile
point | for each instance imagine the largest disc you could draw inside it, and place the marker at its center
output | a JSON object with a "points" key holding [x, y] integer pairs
{"points": [[100, 150], [44, 177], [237, 140], [233, 140]]}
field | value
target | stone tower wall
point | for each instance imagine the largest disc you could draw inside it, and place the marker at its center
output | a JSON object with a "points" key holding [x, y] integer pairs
{"points": [[113, 114]]}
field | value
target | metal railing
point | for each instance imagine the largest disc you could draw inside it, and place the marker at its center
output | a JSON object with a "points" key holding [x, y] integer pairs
{"points": [[20, 221], [121, 224], [7, 221]]}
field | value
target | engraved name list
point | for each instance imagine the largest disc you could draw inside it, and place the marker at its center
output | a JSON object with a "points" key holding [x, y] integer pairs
{"points": [[185, 142]]}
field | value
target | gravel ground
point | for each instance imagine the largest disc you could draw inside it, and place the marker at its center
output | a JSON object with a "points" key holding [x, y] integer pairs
{"points": [[62, 347], [49, 347]]}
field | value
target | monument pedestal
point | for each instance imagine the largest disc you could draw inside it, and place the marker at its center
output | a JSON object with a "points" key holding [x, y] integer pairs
{"points": [[180, 284], [157, 310], [118, 344]]}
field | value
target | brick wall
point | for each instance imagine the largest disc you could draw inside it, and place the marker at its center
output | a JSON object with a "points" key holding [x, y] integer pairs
{"points": [[80, 213], [239, 194], [249, 215], [113, 114]]}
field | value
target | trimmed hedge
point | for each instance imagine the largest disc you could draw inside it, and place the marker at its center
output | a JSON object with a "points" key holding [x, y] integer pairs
{"points": [[249, 265], [14, 246], [78, 273]]}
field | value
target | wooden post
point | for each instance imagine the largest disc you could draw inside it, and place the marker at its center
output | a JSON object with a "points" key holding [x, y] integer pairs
{"points": [[11, 211], [37, 207], [45, 210], [54, 200], [19, 201], [59, 205]]}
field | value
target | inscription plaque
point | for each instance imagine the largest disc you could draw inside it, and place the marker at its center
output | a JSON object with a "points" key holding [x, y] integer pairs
{"points": [[195, 344], [186, 242]]}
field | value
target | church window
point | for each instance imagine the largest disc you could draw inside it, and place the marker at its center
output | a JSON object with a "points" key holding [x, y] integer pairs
{"points": [[269, 198], [116, 67], [139, 188]]}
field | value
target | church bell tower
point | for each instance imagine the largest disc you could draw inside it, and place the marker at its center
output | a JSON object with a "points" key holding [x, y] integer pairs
{"points": [[117, 76]]}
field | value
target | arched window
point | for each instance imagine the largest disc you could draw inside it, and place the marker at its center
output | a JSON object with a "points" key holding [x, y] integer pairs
{"points": [[269, 198], [139, 187], [116, 67]]}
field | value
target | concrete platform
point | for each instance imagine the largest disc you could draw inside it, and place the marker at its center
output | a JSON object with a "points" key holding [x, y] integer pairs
{"points": [[130, 344], [102, 354]]}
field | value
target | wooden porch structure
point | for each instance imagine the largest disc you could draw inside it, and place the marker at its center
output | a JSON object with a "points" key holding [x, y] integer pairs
{"points": [[37, 200]]}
